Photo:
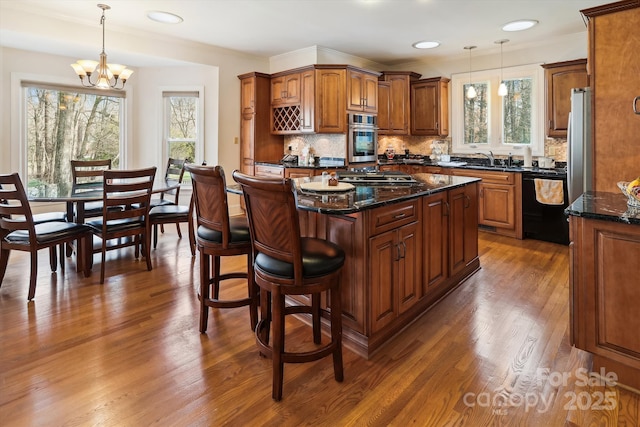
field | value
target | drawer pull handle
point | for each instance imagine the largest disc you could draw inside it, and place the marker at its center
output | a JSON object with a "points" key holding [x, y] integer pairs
{"points": [[401, 215], [635, 105]]}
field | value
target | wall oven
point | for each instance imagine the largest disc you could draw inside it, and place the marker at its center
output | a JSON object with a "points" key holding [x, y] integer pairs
{"points": [[362, 144]]}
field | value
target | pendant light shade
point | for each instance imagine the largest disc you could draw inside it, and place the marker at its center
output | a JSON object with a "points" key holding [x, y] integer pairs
{"points": [[471, 91], [502, 89]]}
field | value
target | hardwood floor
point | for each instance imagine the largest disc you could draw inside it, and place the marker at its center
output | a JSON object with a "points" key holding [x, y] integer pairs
{"points": [[128, 353]]}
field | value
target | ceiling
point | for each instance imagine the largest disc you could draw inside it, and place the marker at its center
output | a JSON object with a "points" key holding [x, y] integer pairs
{"points": [[378, 30]]}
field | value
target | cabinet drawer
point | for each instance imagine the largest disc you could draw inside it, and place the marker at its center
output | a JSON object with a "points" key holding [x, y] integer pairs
{"points": [[389, 217], [269, 171], [487, 176]]}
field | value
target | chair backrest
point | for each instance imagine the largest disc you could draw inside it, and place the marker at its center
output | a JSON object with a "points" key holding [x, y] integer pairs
{"points": [[173, 175], [129, 188], [210, 199], [14, 203], [273, 218], [87, 174]]}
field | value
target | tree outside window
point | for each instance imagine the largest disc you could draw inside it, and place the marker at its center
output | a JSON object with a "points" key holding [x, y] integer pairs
{"points": [[516, 109], [182, 130], [63, 125], [476, 115]]}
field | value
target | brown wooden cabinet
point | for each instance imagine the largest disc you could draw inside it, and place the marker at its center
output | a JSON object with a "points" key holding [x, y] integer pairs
{"points": [[395, 261], [463, 228], [362, 91], [269, 171], [499, 201], [559, 79], [394, 102], [435, 217], [307, 101], [257, 144], [430, 107], [285, 89], [330, 93], [614, 67], [605, 295]]}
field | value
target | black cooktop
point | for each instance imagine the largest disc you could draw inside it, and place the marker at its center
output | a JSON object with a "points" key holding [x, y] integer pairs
{"points": [[386, 177]]}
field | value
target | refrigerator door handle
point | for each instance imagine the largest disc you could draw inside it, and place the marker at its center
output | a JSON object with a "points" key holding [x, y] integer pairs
{"points": [[635, 105]]}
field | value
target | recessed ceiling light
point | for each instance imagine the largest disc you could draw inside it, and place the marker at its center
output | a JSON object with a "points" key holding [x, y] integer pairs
{"points": [[519, 25], [426, 44], [164, 17]]}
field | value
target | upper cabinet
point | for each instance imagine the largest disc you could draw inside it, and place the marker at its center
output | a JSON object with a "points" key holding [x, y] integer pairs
{"points": [[560, 78], [330, 112], [285, 89], [394, 102], [362, 91], [430, 107]]}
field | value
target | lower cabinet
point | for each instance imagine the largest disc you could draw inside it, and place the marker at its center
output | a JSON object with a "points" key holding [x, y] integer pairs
{"points": [[269, 171], [605, 295], [400, 259]]}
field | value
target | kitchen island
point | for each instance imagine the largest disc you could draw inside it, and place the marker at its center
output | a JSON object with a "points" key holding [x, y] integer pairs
{"points": [[604, 284], [407, 245]]}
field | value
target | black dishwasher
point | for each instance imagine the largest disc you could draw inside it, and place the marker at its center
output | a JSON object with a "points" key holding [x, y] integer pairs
{"points": [[544, 221]]}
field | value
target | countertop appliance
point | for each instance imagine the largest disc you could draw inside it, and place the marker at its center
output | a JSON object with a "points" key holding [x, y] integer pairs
{"points": [[543, 221], [363, 138], [579, 144], [375, 177]]}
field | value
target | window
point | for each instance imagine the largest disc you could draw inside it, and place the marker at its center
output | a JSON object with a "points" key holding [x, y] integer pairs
{"points": [[501, 124], [182, 124], [65, 123]]}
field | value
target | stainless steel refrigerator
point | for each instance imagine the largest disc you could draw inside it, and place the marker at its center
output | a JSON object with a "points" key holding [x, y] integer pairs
{"points": [[579, 144]]}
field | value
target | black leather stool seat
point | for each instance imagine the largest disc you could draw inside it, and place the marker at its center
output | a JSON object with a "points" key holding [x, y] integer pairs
{"points": [[239, 231], [169, 211], [319, 257]]}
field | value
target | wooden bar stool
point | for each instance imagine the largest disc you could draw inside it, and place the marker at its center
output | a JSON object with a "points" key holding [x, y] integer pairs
{"points": [[219, 235], [287, 264]]}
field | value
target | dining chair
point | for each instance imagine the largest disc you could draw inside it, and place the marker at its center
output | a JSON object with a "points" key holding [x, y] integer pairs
{"points": [[219, 235], [167, 211], [19, 231], [286, 264], [132, 189], [87, 175]]}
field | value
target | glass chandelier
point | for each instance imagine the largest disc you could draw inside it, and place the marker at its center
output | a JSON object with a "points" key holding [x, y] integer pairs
{"points": [[108, 75]]}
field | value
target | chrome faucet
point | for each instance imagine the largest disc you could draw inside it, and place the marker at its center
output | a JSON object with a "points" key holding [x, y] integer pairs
{"points": [[492, 160]]}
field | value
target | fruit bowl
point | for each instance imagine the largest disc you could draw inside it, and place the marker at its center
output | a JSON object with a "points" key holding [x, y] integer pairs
{"points": [[633, 197]]}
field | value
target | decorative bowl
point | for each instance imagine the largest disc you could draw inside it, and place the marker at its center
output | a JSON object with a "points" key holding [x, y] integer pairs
{"points": [[632, 199]]}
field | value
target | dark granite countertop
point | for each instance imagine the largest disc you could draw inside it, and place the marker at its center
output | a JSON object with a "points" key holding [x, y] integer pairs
{"points": [[604, 206], [475, 165], [367, 196]]}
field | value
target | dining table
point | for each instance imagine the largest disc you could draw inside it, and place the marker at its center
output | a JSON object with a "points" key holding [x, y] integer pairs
{"points": [[76, 200]]}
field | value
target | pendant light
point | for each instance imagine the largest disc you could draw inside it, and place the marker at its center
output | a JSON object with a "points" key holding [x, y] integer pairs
{"points": [[471, 91], [502, 89], [107, 75]]}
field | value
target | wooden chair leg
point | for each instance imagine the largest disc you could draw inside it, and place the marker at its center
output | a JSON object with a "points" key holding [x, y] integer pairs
{"points": [[216, 277], [178, 229], [204, 291], [62, 251], [4, 261], [155, 235], [253, 293], [336, 332], [53, 258], [146, 246], [104, 257], [34, 275], [192, 238], [277, 322], [315, 318]]}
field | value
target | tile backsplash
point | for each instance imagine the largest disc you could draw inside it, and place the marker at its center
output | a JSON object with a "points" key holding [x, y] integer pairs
{"points": [[335, 145]]}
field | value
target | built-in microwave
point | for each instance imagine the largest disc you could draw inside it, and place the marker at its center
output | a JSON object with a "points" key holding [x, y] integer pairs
{"points": [[363, 138]]}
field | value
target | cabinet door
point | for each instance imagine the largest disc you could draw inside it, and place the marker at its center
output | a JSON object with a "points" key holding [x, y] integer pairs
{"points": [[384, 108], [331, 115], [400, 105], [463, 227], [370, 93], [307, 100], [497, 205], [384, 254], [355, 90], [408, 281], [424, 109], [435, 241], [559, 80], [285, 89], [247, 96]]}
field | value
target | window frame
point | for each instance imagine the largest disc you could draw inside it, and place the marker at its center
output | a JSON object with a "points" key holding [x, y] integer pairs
{"points": [[18, 115], [495, 113], [165, 121]]}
